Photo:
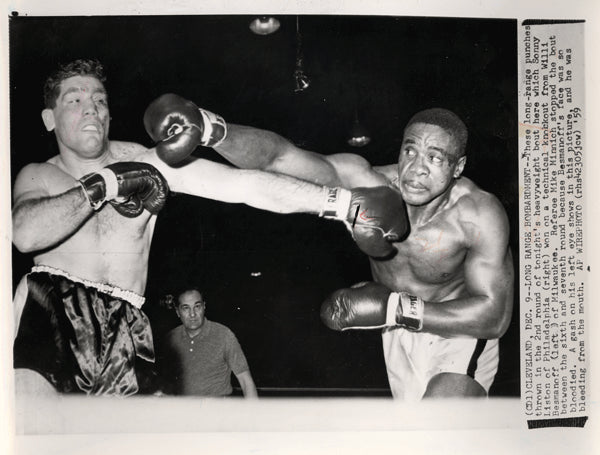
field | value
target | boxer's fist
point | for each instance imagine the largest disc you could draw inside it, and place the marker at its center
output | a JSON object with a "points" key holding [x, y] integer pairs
{"points": [[178, 126], [378, 217], [128, 186], [363, 306], [375, 216]]}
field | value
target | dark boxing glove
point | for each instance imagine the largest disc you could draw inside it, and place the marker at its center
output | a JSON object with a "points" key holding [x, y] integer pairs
{"points": [[376, 217], [178, 126], [372, 306], [129, 186]]}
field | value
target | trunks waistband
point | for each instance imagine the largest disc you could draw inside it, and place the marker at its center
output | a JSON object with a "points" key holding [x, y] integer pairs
{"points": [[131, 297]]}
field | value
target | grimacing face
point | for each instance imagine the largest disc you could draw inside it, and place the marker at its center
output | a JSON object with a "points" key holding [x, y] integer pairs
{"points": [[190, 309], [428, 163], [81, 117]]}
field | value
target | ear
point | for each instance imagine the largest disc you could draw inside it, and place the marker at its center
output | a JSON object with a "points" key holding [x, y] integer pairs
{"points": [[48, 118], [460, 166]]}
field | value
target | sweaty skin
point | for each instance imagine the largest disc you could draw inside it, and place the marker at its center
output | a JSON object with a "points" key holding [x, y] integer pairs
{"points": [[457, 250], [53, 219], [456, 256]]}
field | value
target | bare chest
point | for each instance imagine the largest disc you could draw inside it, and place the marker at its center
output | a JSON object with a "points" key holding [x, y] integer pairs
{"points": [[110, 232], [432, 257]]}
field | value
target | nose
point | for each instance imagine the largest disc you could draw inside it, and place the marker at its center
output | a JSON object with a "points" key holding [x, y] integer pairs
{"points": [[89, 107], [419, 165]]}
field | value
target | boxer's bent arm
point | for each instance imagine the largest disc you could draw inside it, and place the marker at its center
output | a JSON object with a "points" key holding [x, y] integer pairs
{"points": [[263, 190], [247, 384], [252, 148], [489, 279], [40, 219]]}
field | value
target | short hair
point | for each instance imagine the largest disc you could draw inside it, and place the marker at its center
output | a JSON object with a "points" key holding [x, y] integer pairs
{"points": [[446, 120], [80, 67], [185, 290]]}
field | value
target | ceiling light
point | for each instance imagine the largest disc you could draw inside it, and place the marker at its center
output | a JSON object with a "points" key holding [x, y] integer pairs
{"points": [[301, 80], [359, 136], [264, 25]]}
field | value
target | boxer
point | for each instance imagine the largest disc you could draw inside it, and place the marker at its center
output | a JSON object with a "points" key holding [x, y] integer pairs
{"points": [[445, 297], [88, 216]]}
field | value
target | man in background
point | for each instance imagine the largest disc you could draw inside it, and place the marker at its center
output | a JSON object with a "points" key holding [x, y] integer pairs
{"points": [[199, 356]]}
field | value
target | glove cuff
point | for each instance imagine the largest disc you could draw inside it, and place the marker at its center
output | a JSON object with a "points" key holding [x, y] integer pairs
{"points": [[215, 129], [392, 309], [413, 309], [100, 187], [336, 203]]}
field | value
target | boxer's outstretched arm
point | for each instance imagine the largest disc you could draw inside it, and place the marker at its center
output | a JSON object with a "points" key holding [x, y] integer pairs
{"points": [[252, 148], [41, 219], [488, 266], [263, 190]]}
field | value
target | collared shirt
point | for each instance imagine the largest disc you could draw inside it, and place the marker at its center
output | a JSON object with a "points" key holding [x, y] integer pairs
{"points": [[202, 365]]}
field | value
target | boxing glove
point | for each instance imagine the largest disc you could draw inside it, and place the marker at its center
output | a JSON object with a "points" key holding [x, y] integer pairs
{"points": [[178, 126], [375, 216], [130, 187], [371, 305]]}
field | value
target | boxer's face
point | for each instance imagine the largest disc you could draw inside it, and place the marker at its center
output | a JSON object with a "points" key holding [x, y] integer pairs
{"points": [[80, 118], [191, 310], [428, 163]]}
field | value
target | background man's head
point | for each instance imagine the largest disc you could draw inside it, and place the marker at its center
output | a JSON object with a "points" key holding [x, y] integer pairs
{"points": [[190, 307]]}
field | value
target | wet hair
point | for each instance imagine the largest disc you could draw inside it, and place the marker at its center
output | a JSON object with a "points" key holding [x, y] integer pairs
{"points": [[80, 67], [446, 120]]}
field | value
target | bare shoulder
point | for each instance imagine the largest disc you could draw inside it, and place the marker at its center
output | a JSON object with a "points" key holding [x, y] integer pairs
{"points": [[127, 151], [355, 171], [41, 179], [390, 171], [479, 209], [48, 172]]}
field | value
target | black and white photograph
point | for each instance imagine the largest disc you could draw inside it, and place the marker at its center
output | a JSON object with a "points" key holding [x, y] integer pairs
{"points": [[222, 220]]}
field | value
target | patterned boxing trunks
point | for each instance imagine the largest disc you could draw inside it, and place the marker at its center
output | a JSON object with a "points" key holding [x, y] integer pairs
{"points": [[82, 336]]}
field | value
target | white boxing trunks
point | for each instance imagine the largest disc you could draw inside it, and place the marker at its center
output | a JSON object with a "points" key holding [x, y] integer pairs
{"points": [[413, 358]]}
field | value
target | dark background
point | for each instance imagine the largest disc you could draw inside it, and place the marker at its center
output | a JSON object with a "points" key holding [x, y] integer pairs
{"points": [[265, 274]]}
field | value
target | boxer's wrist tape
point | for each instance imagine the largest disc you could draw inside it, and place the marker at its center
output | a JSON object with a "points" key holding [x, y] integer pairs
{"points": [[110, 182], [336, 203], [392, 309], [99, 187], [413, 309], [210, 120]]}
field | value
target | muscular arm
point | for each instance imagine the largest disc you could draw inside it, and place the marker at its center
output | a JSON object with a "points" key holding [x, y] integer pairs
{"points": [[42, 219], [252, 148], [247, 384], [486, 312], [263, 190]]}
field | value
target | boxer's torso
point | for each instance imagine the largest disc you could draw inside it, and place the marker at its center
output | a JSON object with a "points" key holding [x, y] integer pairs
{"points": [[430, 261], [108, 247]]}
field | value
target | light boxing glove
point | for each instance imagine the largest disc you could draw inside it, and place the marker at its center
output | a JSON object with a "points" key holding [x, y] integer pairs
{"points": [[375, 216], [178, 126], [129, 186], [372, 305]]}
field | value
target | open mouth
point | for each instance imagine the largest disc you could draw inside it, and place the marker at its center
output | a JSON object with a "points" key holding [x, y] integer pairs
{"points": [[91, 127]]}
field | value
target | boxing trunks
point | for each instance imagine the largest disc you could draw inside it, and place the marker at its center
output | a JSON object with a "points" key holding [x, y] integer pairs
{"points": [[82, 336], [413, 358]]}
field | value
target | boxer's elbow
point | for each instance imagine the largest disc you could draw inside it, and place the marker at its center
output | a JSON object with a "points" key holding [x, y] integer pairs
{"points": [[23, 240], [496, 321], [25, 237]]}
